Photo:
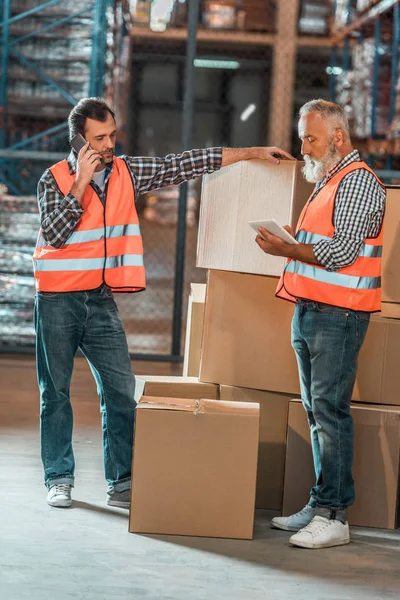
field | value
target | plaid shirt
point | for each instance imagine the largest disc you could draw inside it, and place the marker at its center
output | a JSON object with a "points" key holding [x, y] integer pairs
{"points": [[59, 215], [359, 211]]}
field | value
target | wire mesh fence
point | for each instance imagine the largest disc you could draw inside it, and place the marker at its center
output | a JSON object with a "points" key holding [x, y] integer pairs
{"points": [[232, 107]]}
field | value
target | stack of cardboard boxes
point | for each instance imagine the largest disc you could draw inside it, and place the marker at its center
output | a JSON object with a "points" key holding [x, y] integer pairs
{"points": [[246, 345], [238, 342]]}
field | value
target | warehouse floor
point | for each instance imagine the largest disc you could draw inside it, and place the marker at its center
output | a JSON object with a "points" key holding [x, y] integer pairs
{"points": [[85, 552]]}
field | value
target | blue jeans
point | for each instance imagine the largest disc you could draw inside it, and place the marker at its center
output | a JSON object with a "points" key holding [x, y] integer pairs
{"points": [[90, 321], [327, 341]]}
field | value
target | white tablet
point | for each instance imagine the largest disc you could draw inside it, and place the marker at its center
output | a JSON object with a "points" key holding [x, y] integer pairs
{"points": [[273, 227]]}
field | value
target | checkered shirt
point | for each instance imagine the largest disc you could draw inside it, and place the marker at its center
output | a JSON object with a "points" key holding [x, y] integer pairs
{"points": [[60, 214]]}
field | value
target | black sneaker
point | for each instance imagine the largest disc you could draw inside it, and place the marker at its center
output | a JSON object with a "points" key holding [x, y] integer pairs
{"points": [[120, 499]]}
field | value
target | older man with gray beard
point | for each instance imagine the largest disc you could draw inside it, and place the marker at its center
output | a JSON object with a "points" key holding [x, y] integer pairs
{"points": [[333, 276]]}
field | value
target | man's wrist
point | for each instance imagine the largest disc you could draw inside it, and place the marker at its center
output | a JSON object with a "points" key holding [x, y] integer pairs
{"points": [[302, 252], [79, 187]]}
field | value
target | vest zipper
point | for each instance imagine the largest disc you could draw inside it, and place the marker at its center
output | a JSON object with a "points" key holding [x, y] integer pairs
{"points": [[105, 231]]}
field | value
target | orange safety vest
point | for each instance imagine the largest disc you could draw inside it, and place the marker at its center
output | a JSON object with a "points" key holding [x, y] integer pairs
{"points": [[358, 286], [106, 245]]}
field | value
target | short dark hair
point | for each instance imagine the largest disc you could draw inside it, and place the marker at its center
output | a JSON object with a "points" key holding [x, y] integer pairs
{"points": [[88, 108]]}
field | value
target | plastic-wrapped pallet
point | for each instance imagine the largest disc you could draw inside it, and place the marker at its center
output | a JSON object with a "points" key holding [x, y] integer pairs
{"points": [[344, 13], [363, 65], [314, 17], [19, 225]]}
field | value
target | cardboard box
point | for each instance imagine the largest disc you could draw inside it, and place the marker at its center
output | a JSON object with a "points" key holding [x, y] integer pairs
{"points": [[391, 247], [194, 330], [247, 334], [174, 387], [247, 191], [272, 445], [375, 469], [390, 310], [194, 468], [378, 377]]}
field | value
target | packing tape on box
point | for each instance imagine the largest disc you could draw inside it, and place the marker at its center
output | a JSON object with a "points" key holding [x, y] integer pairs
{"points": [[203, 406], [195, 406]]}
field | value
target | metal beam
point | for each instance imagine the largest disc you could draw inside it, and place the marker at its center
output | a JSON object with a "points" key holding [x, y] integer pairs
{"points": [[4, 73], [395, 61], [283, 75], [187, 126], [9, 183], [375, 76], [96, 42], [30, 12], [38, 136], [33, 67], [31, 155]]}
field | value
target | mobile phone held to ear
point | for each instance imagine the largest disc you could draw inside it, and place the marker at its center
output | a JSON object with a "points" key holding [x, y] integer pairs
{"points": [[77, 142]]}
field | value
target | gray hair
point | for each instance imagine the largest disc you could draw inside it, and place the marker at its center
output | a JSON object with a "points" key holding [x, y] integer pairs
{"points": [[329, 111]]}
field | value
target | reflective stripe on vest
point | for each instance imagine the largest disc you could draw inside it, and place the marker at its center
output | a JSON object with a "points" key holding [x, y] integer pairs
{"points": [[368, 250], [92, 235], [89, 264], [333, 278]]}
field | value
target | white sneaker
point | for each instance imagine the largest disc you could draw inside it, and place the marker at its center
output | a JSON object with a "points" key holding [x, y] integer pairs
{"points": [[59, 495], [322, 533], [294, 522]]}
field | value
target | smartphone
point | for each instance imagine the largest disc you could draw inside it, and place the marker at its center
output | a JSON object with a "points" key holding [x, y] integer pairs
{"points": [[77, 142]]}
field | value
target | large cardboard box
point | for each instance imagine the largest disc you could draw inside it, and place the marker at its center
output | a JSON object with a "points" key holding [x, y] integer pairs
{"points": [[375, 470], [194, 468], [391, 247], [194, 330], [243, 192], [378, 377], [247, 334], [174, 387], [246, 342], [272, 445]]}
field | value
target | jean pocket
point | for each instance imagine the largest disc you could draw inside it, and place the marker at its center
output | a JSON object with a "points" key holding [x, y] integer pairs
{"points": [[334, 311], [48, 295]]}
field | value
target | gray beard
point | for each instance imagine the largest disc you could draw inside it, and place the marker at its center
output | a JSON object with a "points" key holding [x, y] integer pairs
{"points": [[314, 170]]}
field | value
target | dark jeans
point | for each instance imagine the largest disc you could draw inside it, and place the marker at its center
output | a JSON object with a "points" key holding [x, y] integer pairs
{"points": [[327, 341], [90, 321]]}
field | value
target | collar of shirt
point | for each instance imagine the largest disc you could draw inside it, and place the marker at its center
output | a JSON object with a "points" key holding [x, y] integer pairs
{"points": [[344, 162], [71, 160]]}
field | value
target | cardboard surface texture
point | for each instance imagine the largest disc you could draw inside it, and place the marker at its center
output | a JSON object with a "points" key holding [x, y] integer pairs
{"points": [[194, 330], [378, 377], [247, 334], [390, 310], [272, 445], [247, 191], [375, 470], [391, 247], [246, 342], [194, 468]]}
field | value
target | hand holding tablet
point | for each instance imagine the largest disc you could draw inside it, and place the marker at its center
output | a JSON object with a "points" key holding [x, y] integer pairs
{"points": [[274, 228]]}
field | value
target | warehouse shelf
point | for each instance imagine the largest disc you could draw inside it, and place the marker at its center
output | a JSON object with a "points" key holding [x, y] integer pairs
{"points": [[225, 37], [53, 54], [365, 18], [377, 33]]}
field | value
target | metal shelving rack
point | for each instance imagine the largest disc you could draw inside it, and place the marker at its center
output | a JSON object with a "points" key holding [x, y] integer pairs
{"points": [[370, 22], [52, 54]]}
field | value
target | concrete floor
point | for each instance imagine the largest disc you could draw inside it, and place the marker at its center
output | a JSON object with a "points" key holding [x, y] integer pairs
{"points": [[86, 553]]}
